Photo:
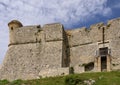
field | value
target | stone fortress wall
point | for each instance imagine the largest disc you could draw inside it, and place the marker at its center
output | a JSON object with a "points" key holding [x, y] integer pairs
{"points": [[36, 51], [85, 43]]}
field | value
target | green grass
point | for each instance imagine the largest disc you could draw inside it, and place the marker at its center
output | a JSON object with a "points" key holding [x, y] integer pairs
{"points": [[101, 78]]}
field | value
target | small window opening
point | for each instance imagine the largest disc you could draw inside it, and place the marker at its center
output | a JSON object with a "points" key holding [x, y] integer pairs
{"points": [[38, 26], [103, 51], [11, 28]]}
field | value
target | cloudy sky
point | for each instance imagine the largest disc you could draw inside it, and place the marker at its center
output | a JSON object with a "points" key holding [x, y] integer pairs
{"points": [[71, 13]]}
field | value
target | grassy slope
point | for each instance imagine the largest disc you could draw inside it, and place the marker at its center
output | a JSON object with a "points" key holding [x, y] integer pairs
{"points": [[103, 78]]}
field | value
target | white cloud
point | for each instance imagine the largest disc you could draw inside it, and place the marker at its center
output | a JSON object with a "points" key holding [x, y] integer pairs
{"points": [[107, 12], [32, 12], [116, 5], [47, 11]]}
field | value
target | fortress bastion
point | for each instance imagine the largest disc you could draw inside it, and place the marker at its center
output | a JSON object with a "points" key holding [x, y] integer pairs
{"points": [[36, 51]]}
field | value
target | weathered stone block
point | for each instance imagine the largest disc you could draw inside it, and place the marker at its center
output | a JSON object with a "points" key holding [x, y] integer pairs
{"points": [[54, 72], [23, 35], [115, 53], [79, 69], [79, 36], [53, 54], [112, 29], [83, 54], [22, 61], [96, 32], [53, 32]]}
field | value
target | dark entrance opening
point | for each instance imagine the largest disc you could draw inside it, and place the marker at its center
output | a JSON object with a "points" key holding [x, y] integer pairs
{"points": [[103, 52], [103, 63], [89, 66]]}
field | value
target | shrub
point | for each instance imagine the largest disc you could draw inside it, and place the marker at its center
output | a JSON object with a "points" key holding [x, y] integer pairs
{"points": [[16, 82], [72, 80], [71, 70], [4, 82]]}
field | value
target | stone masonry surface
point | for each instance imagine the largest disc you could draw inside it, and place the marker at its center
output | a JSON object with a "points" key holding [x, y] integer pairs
{"points": [[36, 51]]}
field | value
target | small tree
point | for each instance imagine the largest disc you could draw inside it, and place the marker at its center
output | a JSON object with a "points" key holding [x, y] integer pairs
{"points": [[71, 70]]}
